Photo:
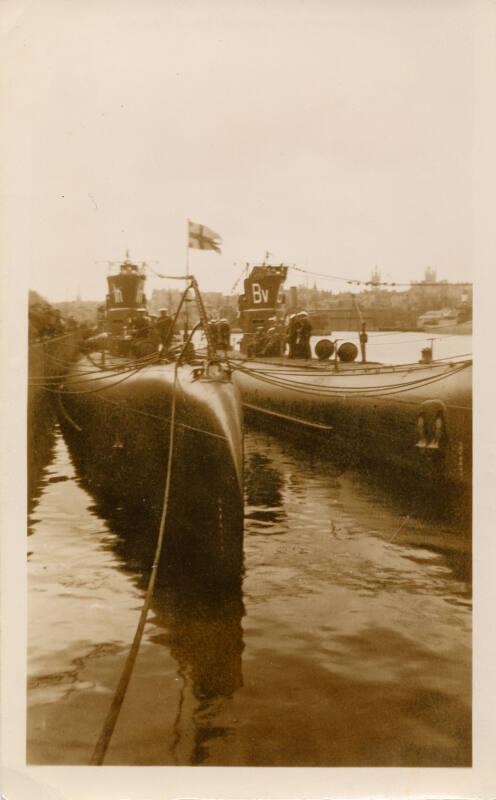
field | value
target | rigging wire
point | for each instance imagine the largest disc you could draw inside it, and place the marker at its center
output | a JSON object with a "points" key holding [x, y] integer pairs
{"points": [[341, 391], [274, 373], [101, 373], [126, 377], [169, 277], [351, 281], [371, 367], [79, 377], [235, 284], [98, 367], [381, 391], [356, 282], [49, 339]]}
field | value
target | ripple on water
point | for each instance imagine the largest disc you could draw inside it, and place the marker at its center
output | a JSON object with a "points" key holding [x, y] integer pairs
{"points": [[350, 644]]}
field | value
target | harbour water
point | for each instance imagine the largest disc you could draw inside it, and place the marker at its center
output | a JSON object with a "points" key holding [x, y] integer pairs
{"points": [[349, 643]]}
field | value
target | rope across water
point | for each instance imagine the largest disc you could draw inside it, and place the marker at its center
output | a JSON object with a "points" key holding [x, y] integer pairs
{"points": [[110, 722]]}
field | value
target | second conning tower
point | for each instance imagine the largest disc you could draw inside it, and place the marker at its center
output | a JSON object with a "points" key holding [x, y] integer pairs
{"points": [[262, 303]]}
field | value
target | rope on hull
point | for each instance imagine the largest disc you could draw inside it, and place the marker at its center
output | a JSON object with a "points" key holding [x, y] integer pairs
{"points": [[316, 425], [320, 390]]}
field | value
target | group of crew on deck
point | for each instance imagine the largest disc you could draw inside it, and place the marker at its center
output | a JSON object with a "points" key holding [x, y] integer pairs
{"points": [[163, 329], [143, 326], [155, 331], [273, 340], [276, 338]]}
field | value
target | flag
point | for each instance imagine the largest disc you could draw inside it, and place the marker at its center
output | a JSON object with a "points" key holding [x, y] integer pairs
{"points": [[202, 238]]}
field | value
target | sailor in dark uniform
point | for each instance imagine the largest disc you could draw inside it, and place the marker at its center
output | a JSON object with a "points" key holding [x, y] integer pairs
{"points": [[259, 341], [223, 334], [164, 327], [213, 332], [292, 335], [280, 337], [304, 333], [141, 323]]}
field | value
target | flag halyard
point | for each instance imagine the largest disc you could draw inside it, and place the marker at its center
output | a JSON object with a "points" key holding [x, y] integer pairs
{"points": [[202, 238]]}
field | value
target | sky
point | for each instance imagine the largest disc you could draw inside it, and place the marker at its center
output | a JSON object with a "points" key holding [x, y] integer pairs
{"points": [[336, 135]]}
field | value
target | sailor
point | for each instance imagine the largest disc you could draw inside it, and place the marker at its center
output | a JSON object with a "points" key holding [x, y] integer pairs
{"points": [[292, 335], [140, 323], [163, 327], [223, 334], [280, 337], [272, 346], [304, 333], [213, 332], [259, 341]]}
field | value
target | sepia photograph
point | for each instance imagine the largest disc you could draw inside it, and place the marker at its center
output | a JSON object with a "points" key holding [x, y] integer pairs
{"points": [[248, 292]]}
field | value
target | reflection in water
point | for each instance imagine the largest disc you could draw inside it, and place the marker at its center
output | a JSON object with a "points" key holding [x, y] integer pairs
{"points": [[41, 443], [200, 625], [204, 520], [46, 359], [263, 481], [204, 635], [263, 491], [348, 646]]}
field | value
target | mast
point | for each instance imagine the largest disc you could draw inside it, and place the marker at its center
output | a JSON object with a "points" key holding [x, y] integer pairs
{"points": [[362, 332]]}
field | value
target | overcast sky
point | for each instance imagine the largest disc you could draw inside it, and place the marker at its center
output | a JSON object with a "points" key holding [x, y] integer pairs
{"points": [[336, 135]]}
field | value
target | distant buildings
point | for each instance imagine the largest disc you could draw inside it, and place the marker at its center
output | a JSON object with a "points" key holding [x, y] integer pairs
{"points": [[83, 311], [380, 306]]}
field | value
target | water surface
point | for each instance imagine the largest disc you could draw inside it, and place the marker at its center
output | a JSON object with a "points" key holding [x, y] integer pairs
{"points": [[349, 644]]}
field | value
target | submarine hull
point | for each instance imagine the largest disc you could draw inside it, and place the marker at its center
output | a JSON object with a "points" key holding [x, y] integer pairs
{"points": [[118, 429], [413, 418]]}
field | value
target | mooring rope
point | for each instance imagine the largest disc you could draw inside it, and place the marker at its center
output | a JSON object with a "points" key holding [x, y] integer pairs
{"points": [[50, 339], [98, 390], [121, 363], [398, 529], [103, 742], [110, 722], [76, 378], [66, 414]]}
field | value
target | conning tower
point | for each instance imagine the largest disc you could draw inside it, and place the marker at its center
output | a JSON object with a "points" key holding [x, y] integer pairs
{"points": [[263, 300], [126, 298]]}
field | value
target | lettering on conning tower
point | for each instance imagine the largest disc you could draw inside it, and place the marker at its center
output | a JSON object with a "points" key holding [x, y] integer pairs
{"points": [[259, 295]]}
